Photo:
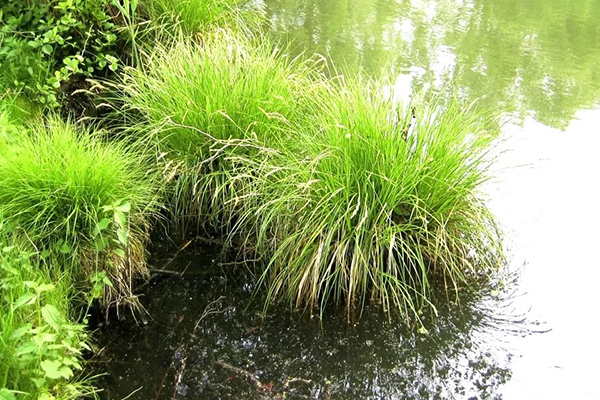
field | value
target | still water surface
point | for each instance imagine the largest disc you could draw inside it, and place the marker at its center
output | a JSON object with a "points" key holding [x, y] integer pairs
{"points": [[537, 62]]}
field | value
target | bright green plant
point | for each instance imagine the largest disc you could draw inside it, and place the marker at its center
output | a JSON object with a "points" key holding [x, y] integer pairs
{"points": [[379, 206], [203, 103], [45, 46], [83, 201], [40, 347], [194, 15]]}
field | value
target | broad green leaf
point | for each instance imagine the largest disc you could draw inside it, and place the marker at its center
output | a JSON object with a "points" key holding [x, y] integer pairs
{"points": [[102, 225], [55, 369], [26, 299], [20, 332], [52, 316], [125, 207], [122, 235], [100, 243], [45, 287], [120, 219], [6, 394], [26, 348], [119, 252]]}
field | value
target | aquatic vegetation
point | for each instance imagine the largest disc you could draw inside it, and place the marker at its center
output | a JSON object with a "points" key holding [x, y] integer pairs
{"points": [[83, 202], [380, 205], [40, 345], [199, 102]]}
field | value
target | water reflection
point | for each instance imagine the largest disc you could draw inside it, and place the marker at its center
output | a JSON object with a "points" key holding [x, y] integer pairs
{"points": [[204, 344], [536, 57]]}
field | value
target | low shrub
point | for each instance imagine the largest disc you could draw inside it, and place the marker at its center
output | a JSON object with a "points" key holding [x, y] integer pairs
{"points": [[82, 201], [48, 47]]}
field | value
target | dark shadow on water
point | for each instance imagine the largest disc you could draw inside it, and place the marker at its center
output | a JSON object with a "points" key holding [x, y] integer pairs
{"points": [[203, 342]]}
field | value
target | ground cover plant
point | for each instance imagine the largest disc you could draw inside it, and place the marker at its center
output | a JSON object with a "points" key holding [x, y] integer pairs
{"points": [[199, 102], [40, 345], [82, 201]]}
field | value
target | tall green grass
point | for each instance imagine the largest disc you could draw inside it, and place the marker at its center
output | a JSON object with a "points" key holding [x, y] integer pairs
{"points": [[82, 201], [382, 205], [194, 16], [201, 103], [343, 196]]}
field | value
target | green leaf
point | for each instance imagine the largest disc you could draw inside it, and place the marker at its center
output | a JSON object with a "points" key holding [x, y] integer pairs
{"points": [[39, 382], [64, 248], [45, 287], [119, 252], [100, 243], [26, 299], [6, 394], [52, 316], [54, 369], [122, 235], [125, 207], [47, 49], [101, 225], [26, 348], [120, 219], [20, 332]]}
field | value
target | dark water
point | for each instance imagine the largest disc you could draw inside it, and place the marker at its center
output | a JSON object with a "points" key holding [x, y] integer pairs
{"points": [[207, 340]]}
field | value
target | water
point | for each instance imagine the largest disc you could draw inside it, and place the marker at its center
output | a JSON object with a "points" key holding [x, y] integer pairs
{"points": [[535, 61], [207, 340]]}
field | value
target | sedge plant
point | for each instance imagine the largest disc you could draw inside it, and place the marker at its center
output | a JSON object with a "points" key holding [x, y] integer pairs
{"points": [[383, 205], [201, 103]]}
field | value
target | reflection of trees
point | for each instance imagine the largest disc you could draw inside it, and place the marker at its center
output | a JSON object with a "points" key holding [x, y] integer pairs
{"points": [[537, 56]]}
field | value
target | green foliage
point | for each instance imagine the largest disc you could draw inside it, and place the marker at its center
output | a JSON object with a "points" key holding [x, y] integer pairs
{"points": [[81, 200], [45, 45], [40, 347], [194, 15], [202, 104], [378, 207], [342, 196]]}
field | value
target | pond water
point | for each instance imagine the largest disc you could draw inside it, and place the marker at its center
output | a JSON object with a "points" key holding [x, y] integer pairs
{"points": [[535, 61]]}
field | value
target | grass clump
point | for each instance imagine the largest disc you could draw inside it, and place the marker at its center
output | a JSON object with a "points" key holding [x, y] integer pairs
{"points": [[83, 201], [40, 345], [202, 103], [194, 16], [382, 205]]}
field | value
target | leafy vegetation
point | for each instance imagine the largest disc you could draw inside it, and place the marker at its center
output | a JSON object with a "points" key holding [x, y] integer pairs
{"points": [[194, 15], [343, 196], [40, 347], [47, 47], [201, 104], [81, 200], [381, 204]]}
